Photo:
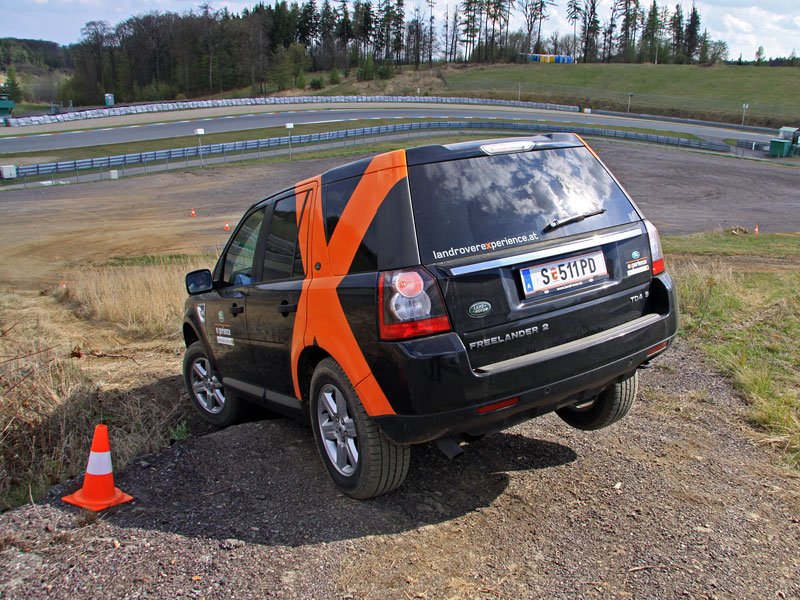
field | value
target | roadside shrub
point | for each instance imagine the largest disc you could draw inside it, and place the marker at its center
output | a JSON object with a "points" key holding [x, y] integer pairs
{"points": [[154, 91], [334, 78], [385, 70], [317, 83], [300, 82], [366, 71]]}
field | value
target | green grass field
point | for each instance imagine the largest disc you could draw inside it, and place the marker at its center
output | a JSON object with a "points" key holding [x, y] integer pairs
{"points": [[688, 90], [23, 109], [740, 305]]}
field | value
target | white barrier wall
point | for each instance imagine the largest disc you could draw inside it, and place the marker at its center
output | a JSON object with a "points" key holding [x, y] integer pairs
{"points": [[118, 111]]}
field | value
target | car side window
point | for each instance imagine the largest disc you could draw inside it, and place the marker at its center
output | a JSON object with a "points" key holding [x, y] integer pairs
{"points": [[241, 253], [336, 196], [281, 253]]}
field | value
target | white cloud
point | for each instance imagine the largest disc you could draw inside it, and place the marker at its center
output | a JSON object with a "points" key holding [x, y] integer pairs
{"points": [[737, 25]]}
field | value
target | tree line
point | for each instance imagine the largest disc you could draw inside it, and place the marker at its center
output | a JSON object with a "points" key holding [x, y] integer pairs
{"points": [[164, 55]]}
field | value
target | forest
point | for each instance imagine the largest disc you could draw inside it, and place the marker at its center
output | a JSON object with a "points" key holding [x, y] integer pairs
{"points": [[165, 55]]}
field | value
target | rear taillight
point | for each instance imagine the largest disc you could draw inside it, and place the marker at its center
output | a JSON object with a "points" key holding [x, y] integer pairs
{"points": [[656, 254], [410, 305]]}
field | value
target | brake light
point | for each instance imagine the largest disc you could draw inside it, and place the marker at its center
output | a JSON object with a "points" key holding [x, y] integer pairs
{"points": [[410, 305], [656, 253]]}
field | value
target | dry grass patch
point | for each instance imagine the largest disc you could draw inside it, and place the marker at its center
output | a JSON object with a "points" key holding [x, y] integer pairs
{"points": [[51, 397], [143, 296]]}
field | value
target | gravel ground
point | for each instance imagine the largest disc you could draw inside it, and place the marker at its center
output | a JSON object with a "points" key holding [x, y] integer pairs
{"points": [[677, 500]]}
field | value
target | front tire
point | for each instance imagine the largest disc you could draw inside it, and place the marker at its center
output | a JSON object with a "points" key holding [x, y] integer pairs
{"points": [[360, 460], [610, 406], [204, 384]]}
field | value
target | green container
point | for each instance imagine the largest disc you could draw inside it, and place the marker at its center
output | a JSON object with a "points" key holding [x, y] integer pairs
{"points": [[6, 104], [780, 148]]}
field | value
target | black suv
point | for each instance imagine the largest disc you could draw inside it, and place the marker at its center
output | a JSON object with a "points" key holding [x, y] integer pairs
{"points": [[432, 294]]}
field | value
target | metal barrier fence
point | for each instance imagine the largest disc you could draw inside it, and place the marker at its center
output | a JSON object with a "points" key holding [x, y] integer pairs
{"points": [[170, 106], [139, 158], [754, 146]]}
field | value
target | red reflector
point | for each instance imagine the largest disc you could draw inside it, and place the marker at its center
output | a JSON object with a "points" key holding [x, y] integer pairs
{"points": [[659, 266], [497, 405], [657, 348], [410, 329]]}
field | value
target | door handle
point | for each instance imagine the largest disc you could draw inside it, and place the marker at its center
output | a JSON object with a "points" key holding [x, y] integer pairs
{"points": [[285, 308], [236, 309]]}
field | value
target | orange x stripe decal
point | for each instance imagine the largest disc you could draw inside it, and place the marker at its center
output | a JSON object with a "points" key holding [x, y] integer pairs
{"points": [[320, 318]]}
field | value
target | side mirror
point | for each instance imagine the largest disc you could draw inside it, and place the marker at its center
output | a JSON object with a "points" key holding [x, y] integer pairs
{"points": [[198, 282]]}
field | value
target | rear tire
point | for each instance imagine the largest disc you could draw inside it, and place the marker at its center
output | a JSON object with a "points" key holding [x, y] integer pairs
{"points": [[360, 460], [204, 384], [610, 406]]}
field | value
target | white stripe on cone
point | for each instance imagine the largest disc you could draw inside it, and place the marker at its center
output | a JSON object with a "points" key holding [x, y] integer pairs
{"points": [[99, 463]]}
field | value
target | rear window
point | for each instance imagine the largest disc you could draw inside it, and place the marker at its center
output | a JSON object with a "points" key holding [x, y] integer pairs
{"points": [[487, 204]]}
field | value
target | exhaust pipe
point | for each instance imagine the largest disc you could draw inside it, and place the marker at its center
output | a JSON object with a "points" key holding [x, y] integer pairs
{"points": [[449, 447]]}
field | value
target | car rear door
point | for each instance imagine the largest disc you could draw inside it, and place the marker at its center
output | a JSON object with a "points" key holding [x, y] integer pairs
{"points": [[531, 249], [273, 302]]}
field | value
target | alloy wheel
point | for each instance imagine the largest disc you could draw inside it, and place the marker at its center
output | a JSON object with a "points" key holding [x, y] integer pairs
{"points": [[206, 386], [337, 430]]}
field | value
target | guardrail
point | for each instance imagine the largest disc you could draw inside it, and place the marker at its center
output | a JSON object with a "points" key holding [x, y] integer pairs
{"points": [[118, 111], [139, 158], [754, 146]]}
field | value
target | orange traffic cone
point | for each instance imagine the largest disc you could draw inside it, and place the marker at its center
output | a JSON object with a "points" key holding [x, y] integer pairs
{"points": [[756, 231], [194, 214], [227, 226], [98, 491]]}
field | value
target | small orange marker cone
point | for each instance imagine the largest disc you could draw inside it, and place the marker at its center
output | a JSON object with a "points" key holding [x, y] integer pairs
{"points": [[756, 230], [194, 214], [98, 491], [227, 226]]}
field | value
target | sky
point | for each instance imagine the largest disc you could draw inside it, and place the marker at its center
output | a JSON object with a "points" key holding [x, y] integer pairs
{"points": [[743, 24]]}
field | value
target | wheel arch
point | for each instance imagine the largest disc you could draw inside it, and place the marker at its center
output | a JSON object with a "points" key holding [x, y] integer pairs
{"points": [[307, 362], [190, 335]]}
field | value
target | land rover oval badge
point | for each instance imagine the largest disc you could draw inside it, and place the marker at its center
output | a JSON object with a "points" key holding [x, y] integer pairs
{"points": [[479, 309]]}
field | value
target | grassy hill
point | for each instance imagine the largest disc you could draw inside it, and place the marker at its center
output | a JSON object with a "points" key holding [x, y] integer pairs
{"points": [[716, 92]]}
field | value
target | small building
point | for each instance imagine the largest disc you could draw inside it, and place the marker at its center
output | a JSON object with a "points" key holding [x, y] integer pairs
{"points": [[6, 105]]}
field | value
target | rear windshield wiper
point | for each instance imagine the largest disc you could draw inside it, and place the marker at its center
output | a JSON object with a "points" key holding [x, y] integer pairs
{"points": [[556, 223]]}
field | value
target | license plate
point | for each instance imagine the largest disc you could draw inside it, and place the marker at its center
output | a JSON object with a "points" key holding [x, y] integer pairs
{"points": [[563, 274]]}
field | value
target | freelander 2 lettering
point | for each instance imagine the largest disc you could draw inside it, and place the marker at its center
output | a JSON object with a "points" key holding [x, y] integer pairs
{"points": [[513, 335]]}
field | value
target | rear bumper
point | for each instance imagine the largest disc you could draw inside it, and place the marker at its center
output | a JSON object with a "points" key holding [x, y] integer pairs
{"points": [[533, 402], [447, 393]]}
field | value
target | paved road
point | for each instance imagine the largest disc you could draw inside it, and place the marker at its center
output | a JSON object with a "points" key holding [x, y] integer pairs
{"points": [[151, 131]]}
